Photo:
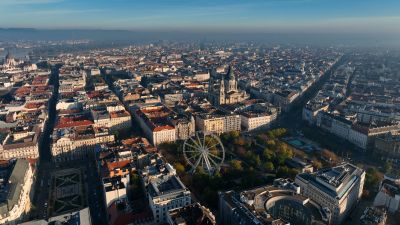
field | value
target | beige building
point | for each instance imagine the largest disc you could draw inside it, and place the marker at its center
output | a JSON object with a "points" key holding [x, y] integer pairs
{"points": [[185, 127], [77, 142], [364, 135], [71, 81], [218, 123], [120, 120], [202, 76], [251, 122], [338, 189], [257, 116], [23, 144], [114, 120]]}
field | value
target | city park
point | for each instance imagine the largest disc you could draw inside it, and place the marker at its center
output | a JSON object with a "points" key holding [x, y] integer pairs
{"points": [[207, 163]]}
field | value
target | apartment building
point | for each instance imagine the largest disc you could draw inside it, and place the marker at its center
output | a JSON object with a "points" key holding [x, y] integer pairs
{"points": [[155, 124], [165, 191], [218, 122], [21, 144], [15, 192]]}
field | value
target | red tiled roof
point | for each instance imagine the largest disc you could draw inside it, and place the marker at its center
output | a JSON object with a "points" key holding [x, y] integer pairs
{"points": [[94, 94], [24, 90], [160, 128], [40, 80], [122, 113], [116, 165], [64, 124], [131, 141], [33, 105]]}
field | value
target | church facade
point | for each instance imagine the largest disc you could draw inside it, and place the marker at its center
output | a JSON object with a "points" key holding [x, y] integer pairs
{"points": [[224, 91]]}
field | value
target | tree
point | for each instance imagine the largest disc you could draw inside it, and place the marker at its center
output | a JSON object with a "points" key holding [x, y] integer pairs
{"points": [[372, 179], [317, 164], [283, 171], [293, 172], [225, 138], [231, 137], [234, 134], [388, 168], [300, 154], [240, 141], [329, 155], [236, 165], [284, 150], [241, 151], [253, 159], [276, 133], [269, 167], [271, 143], [179, 168], [283, 153], [268, 154]]}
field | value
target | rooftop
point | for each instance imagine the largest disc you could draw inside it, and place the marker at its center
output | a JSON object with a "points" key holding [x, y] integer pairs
{"points": [[373, 216], [194, 214], [81, 217], [335, 181], [165, 184], [11, 186], [257, 206]]}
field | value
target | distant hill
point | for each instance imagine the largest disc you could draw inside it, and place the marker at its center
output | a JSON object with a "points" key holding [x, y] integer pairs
{"points": [[115, 36], [17, 29]]}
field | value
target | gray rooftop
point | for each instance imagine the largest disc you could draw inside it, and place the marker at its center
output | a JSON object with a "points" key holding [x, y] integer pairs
{"points": [[10, 192]]}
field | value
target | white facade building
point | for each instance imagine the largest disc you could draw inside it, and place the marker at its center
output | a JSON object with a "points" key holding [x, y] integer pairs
{"points": [[115, 189], [16, 205], [338, 189], [23, 144], [165, 191], [155, 125]]}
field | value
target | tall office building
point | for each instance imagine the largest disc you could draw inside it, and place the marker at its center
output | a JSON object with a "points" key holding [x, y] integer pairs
{"points": [[338, 188]]}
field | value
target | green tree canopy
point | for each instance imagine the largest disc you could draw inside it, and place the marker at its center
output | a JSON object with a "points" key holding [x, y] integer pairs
{"points": [[269, 167], [236, 165]]}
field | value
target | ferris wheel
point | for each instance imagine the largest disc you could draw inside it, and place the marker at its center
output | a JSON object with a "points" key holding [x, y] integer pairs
{"points": [[204, 151]]}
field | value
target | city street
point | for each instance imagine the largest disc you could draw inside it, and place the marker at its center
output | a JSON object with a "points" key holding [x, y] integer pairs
{"points": [[46, 167]]}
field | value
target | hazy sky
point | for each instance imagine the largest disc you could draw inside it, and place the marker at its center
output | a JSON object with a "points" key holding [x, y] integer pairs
{"points": [[347, 16]]}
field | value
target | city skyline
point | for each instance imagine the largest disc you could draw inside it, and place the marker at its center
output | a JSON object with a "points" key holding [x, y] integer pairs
{"points": [[287, 16]]}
